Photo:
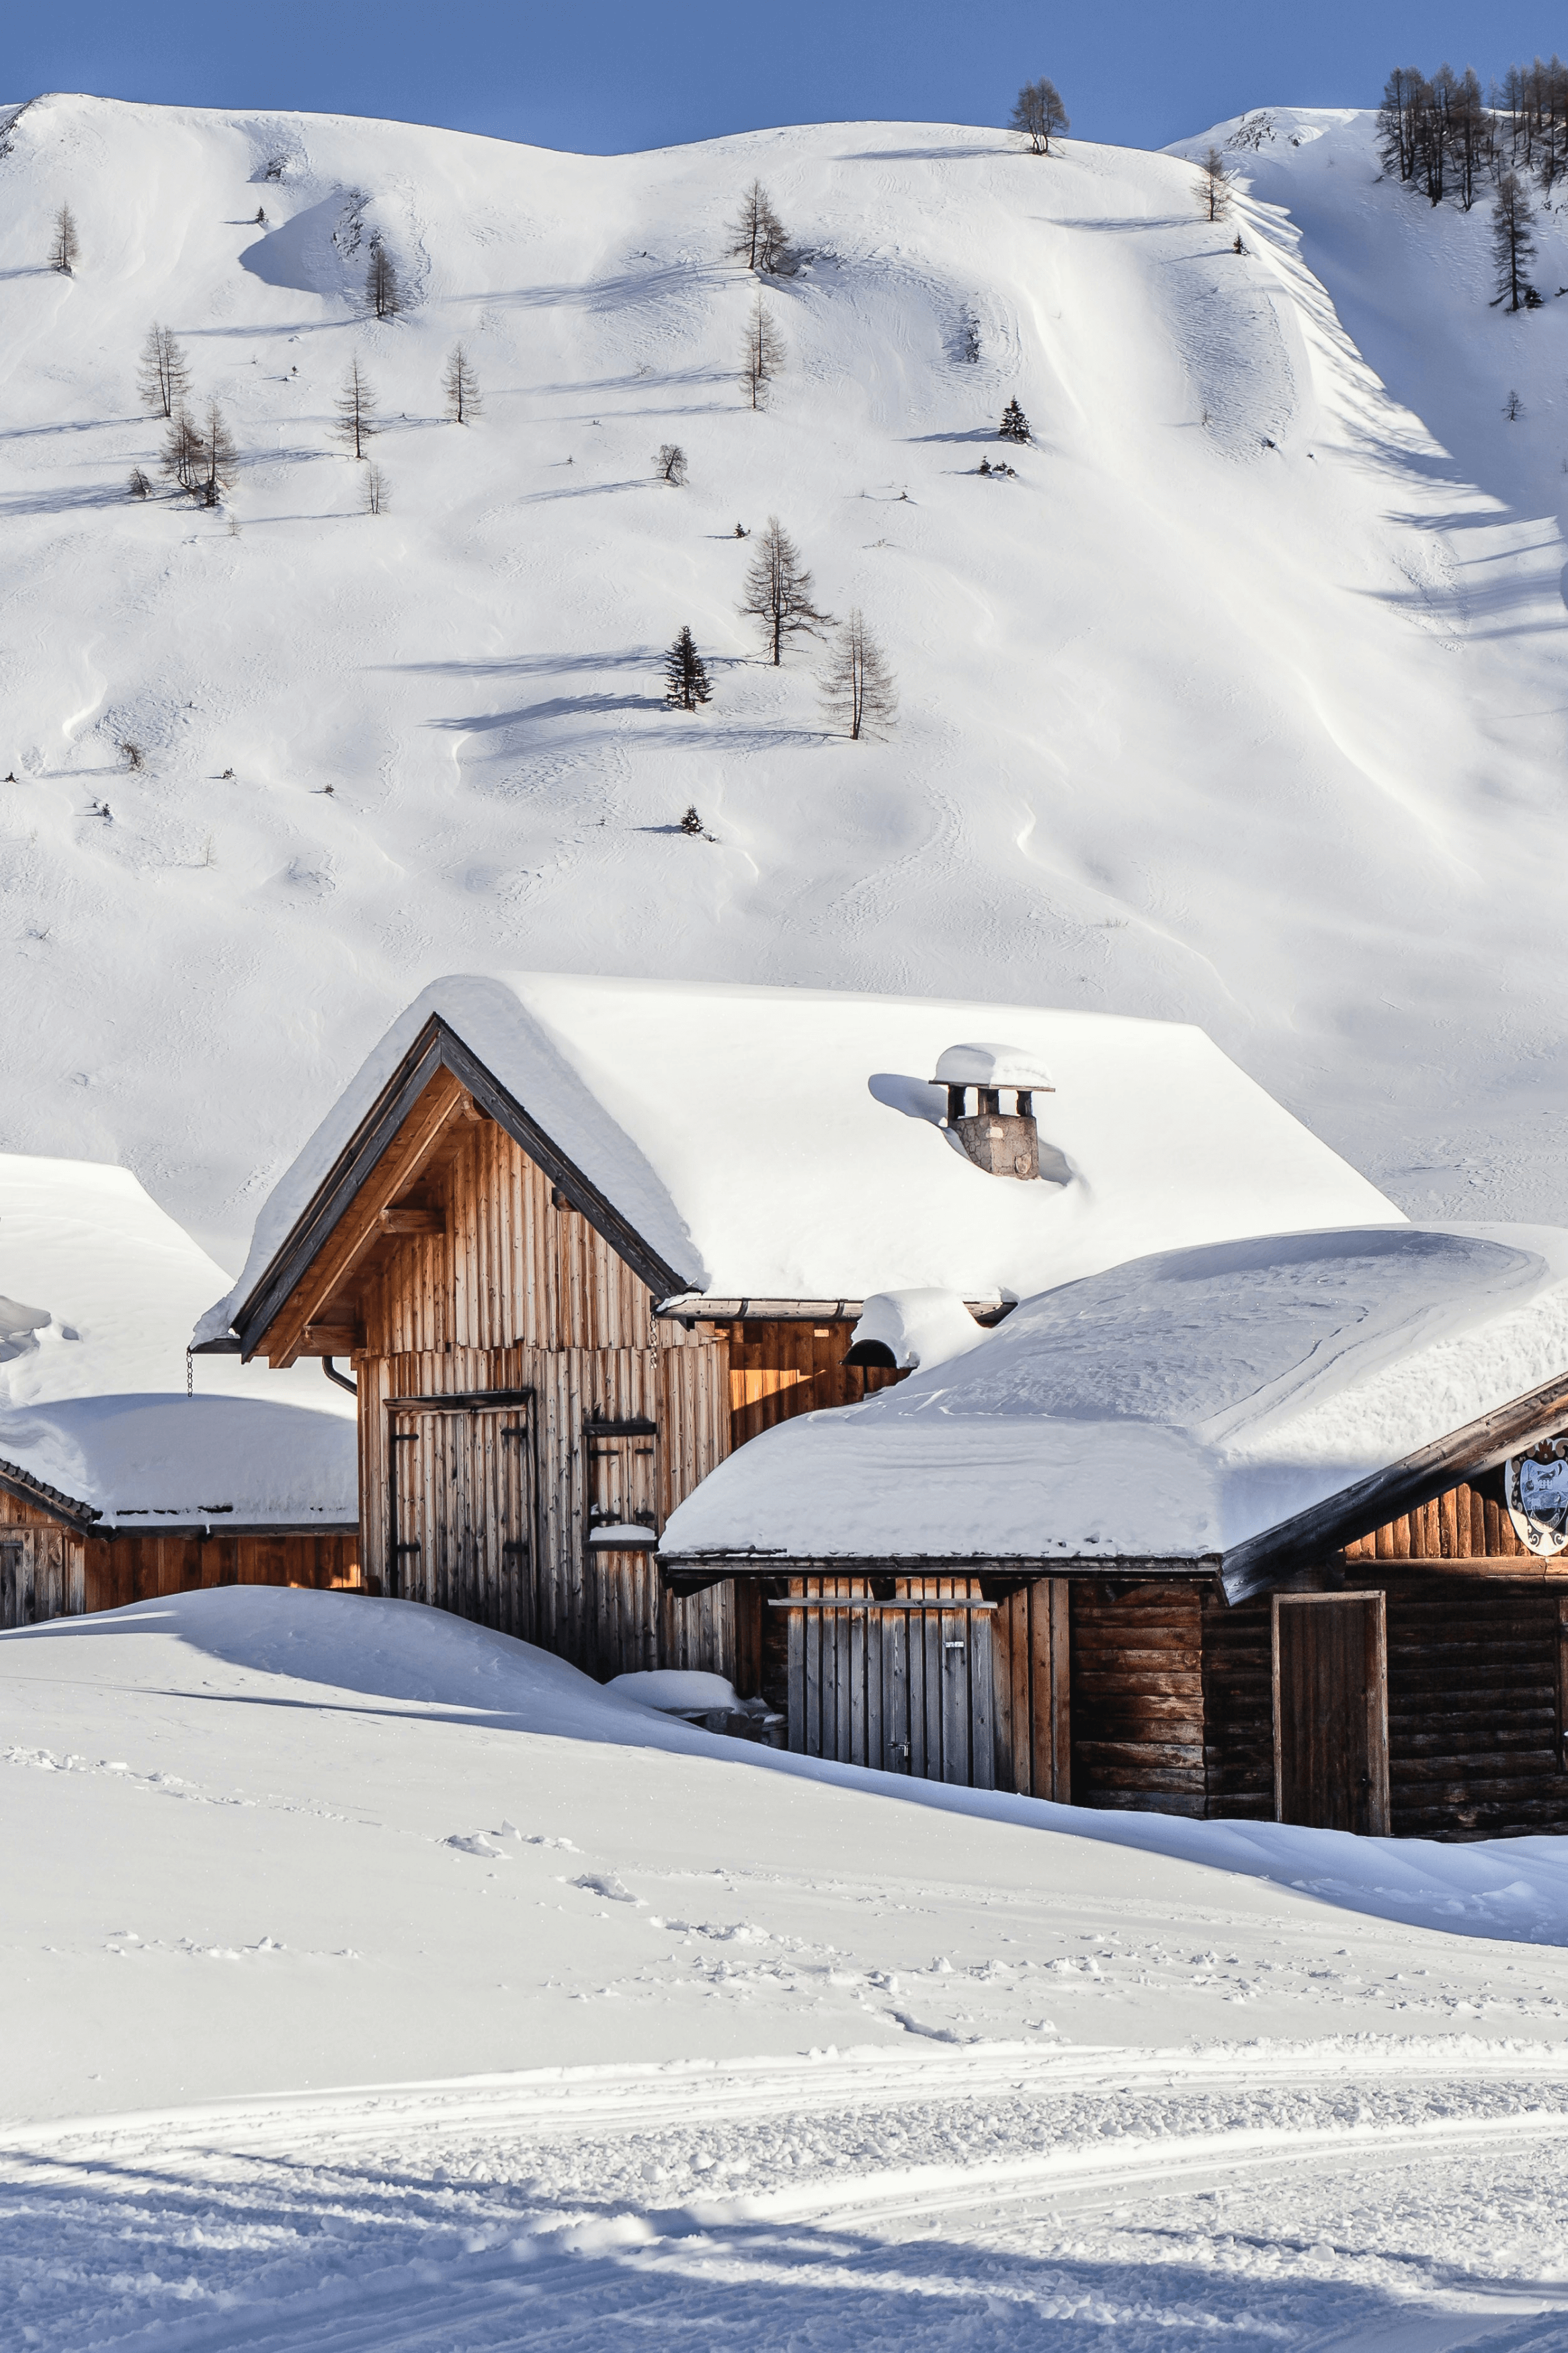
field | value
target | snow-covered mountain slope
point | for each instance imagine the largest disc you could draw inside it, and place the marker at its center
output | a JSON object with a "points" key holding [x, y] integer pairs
{"points": [[1241, 703]]}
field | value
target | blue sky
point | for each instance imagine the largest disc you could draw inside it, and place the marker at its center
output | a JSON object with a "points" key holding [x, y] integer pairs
{"points": [[612, 76]]}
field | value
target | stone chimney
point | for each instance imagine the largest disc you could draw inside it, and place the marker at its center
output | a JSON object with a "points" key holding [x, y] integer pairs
{"points": [[1003, 1142]]}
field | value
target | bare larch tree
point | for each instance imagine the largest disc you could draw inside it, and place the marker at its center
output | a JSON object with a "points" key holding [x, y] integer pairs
{"points": [[671, 463], [65, 246], [778, 593], [164, 380], [377, 489], [1213, 186], [1039, 114], [1513, 247], [763, 355], [182, 451], [461, 388], [858, 686], [758, 235], [381, 284], [685, 675], [356, 410], [216, 455]]}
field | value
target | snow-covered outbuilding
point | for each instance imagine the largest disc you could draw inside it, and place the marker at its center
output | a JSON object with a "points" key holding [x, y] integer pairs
{"points": [[580, 1239], [1273, 1525], [116, 1482]]}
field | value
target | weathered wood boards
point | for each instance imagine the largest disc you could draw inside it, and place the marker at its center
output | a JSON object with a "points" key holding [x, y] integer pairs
{"points": [[904, 1682]]}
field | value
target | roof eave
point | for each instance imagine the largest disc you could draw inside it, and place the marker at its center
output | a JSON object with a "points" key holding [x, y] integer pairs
{"points": [[437, 1047]]}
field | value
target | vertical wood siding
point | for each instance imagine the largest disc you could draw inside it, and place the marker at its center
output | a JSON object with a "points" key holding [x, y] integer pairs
{"points": [[42, 1567], [901, 1690], [1468, 1522], [1033, 1703], [778, 1369]]}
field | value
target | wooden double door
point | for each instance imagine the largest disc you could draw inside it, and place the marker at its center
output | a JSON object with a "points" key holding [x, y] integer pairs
{"points": [[1330, 1712], [461, 1505], [900, 1683]]}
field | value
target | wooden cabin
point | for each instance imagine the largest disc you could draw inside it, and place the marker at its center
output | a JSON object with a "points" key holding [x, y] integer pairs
{"points": [[1132, 1623], [579, 1240], [118, 1481]]}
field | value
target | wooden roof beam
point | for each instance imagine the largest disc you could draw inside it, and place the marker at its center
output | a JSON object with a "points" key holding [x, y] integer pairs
{"points": [[442, 1104]]}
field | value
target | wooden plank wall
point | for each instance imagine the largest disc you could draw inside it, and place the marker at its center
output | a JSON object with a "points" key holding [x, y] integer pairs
{"points": [[1470, 1523], [902, 1690], [1033, 1704], [42, 1565], [604, 1610], [122, 1568], [1475, 1687], [1239, 1707], [778, 1369], [511, 1269], [1137, 1696]]}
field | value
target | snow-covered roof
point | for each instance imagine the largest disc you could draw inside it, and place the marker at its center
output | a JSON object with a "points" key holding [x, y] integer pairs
{"points": [[98, 1290], [1175, 1407], [785, 1143]]}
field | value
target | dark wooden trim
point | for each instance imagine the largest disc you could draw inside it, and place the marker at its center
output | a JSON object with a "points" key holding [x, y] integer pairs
{"points": [[1364, 1506], [459, 1400], [435, 1048], [881, 1608], [24, 1488], [213, 1529], [703, 1569]]}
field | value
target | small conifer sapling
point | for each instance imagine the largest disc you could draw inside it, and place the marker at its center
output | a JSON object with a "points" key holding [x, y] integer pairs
{"points": [[1015, 425], [686, 683]]}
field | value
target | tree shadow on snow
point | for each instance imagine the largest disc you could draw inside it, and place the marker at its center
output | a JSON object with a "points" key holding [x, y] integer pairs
{"points": [[923, 155], [605, 293], [531, 665], [560, 706], [309, 2248], [40, 502]]}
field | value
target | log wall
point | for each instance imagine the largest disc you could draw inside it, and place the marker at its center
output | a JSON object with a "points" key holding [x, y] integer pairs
{"points": [[1138, 1720]]}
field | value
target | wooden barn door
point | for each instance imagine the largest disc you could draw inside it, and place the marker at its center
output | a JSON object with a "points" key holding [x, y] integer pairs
{"points": [[901, 1685], [1330, 1712], [15, 1581], [462, 1507]]}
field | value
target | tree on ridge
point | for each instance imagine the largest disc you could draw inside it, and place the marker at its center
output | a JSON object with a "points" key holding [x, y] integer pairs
{"points": [[1039, 114]]}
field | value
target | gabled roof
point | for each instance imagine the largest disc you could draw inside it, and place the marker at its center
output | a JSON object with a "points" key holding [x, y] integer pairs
{"points": [[1247, 1404], [778, 1143], [98, 1292]]}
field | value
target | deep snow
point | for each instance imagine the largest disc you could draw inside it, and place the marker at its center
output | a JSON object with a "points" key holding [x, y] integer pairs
{"points": [[1180, 1403], [786, 1143], [1243, 703], [99, 1292], [637, 2025]]}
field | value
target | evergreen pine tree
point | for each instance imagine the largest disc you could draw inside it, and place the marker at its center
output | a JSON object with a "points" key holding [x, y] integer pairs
{"points": [[685, 675], [1015, 425]]}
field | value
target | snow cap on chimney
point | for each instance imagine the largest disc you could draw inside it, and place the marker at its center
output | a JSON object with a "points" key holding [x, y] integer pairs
{"points": [[1003, 1144]]}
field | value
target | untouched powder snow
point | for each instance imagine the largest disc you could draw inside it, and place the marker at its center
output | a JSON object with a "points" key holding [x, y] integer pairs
{"points": [[389, 1984], [98, 1291], [785, 1143], [1241, 704], [1174, 1405]]}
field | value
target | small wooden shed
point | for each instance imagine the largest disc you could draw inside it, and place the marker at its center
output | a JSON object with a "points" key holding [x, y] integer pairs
{"points": [[126, 1473], [579, 1240], [1274, 1533]]}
